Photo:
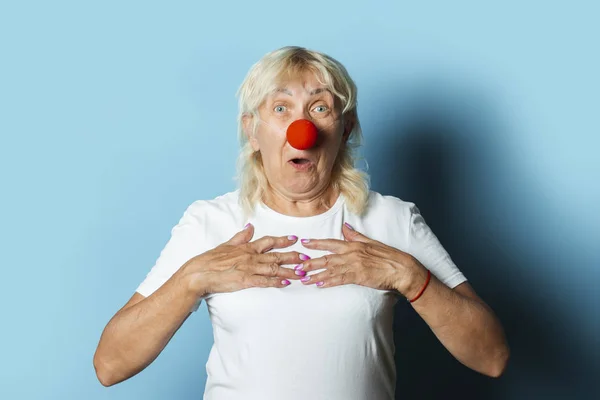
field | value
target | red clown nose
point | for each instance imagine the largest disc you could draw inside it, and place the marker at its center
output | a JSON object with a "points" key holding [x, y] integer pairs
{"points": [[302, 134]]}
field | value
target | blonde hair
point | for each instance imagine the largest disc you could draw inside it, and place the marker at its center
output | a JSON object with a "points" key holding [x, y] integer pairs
{"points": [[261, 80]]}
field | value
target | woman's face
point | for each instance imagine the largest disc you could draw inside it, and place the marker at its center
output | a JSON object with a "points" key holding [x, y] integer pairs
{"points": [[299, 174]]}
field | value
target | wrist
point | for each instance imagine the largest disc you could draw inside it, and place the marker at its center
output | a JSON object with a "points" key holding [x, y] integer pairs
{"points": [[192, 278], [420, 292], [414, 281]]}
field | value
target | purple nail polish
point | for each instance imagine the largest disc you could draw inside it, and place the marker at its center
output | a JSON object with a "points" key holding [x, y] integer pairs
{"points": [[247, 225], [285, 282], [305, 279], [299, 266], [348, 225], [305, 240], [292, 237], [320, 283], [299, 272], [304, 257]]}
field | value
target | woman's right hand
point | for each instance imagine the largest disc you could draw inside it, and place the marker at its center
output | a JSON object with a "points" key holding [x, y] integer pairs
{"points": [[240, 264]]}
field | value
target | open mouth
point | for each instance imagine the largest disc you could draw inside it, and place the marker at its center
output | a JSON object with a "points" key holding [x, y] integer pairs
{"points": [[301, 164], [300, 161]]}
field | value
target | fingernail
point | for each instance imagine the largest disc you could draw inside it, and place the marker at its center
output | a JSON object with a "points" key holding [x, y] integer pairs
{"points": [[304, 257], [285, 282], [305, 279], [292, 237], [305, 240], [299, 266], [348, 225], [299, 272], [320, 283], [247, 225]]}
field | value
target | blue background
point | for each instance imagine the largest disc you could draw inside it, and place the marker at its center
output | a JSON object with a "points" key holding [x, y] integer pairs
{"points": [[115, 116]]}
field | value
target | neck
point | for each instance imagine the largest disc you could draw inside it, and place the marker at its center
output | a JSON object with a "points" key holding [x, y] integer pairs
{"points": [[299, 205]]}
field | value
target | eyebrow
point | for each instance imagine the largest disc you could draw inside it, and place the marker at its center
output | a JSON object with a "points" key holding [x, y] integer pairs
{"points": [[312, 93], [319, 90]]}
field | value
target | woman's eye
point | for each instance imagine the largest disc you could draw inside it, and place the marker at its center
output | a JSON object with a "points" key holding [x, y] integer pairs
{"points": [[279, 109], [320, 109]]}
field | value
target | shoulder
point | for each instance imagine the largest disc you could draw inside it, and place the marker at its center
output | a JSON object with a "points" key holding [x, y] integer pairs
{"points": [[386, 219], [386, 206], [217, 207]]}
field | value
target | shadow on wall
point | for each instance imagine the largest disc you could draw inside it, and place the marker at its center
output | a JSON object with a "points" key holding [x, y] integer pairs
{"points": [[444, 151]]}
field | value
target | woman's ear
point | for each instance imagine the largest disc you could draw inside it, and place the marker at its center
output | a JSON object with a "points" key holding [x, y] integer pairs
{"points": [[248, 127]]}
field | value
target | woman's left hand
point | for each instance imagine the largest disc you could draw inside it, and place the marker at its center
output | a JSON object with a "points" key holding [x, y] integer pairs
{"points": [[363, 261]]}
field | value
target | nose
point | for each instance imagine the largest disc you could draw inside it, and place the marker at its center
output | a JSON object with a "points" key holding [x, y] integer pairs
{"points": [[302, 134]]}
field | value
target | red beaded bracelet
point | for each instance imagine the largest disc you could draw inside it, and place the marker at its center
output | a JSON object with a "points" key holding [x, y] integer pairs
{"points": [[424, 287]]}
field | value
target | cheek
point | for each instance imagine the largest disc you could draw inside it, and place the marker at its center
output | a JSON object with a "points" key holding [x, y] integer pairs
{"points": [[271, 149], [271, 139], [332, 143]]}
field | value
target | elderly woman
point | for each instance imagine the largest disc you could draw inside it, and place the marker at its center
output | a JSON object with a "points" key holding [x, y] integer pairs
{"points": [[301, 266]]}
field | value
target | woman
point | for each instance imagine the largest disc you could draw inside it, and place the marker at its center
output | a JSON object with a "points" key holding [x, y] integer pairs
{"points": [[301, 299]]}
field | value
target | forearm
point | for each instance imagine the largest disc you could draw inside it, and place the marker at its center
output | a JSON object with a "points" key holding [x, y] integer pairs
{"points": [[465, 326], [136, 335]]}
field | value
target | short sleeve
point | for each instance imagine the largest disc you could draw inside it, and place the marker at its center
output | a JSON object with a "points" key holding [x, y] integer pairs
{"points": [[424, 245], [185, 242]]}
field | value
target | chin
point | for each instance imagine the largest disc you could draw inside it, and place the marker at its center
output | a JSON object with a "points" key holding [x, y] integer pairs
{"points": [[302, 186]]}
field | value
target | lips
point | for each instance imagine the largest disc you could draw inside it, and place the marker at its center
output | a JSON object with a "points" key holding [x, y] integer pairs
{"points": [[300, 164], [300, 160], [301, 157]]}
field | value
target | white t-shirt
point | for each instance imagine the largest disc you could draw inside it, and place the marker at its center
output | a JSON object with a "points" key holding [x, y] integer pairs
{"points": [[302, 342]]}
